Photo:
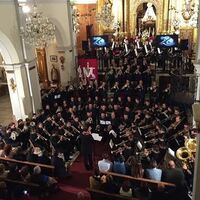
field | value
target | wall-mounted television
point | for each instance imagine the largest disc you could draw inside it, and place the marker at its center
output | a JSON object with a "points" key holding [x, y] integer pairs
{"points": [[166, 41], [100, 41]]}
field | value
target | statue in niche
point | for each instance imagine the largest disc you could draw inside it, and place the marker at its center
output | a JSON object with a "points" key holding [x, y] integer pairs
{"points": [[55, 76]]}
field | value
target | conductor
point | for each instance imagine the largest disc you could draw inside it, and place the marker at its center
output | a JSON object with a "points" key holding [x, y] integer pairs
{"points": [[86, 146]]}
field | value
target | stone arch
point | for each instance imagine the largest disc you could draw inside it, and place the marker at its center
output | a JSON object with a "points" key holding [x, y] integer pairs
{"points": [[133, 12], [8, 50]]}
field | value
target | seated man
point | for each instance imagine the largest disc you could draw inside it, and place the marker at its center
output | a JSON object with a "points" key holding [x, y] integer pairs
{"points": [[153, 172], [105, 164], [175, 175]]}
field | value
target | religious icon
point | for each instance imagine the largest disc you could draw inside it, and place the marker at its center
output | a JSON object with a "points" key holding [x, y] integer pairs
{"points": [[13, 85], [53, 58], [55, 77]]}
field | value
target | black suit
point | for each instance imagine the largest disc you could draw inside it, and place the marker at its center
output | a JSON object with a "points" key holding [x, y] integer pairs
{"points": [[177, 177], [86, 150]]}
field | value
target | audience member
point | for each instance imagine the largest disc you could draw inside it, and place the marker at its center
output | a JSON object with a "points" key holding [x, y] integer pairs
{"points": [[105, 165]]}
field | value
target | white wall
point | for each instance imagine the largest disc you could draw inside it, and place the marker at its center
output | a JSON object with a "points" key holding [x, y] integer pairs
{"points": [[9, 27], [57, 12], [12, 53]]}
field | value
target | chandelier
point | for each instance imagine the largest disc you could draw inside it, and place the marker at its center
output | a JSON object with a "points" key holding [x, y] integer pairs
{"points": [[105, 17], [75, 19], [149, 14], [38, 30]]}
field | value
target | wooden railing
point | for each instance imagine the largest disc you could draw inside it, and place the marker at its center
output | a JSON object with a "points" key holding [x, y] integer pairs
{"points": [[31, 188], [100, 195], [143, 180], [31, 164]]}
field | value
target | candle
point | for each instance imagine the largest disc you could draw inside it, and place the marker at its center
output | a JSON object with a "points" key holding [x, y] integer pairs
{"points": [[138, 45]]}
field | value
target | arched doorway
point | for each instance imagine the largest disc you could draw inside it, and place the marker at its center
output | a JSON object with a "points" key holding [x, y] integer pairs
{"points": [[134, 4], [9, 57], [148, 24], [5, 104]]}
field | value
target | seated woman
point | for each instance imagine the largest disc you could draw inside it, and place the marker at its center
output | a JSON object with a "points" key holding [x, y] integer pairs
{"points": [[95, 180], [119, 165], [108, 185], [125, 189]]}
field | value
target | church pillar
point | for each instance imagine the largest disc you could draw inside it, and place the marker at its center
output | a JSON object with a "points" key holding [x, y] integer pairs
{"points": [[166, 11], [34, 86], [196, 182], [127, 17], [18, 87], [24, 88], [198, 39]]}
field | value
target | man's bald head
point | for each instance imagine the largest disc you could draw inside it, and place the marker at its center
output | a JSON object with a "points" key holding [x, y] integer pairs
{"points": [[171, 164]]}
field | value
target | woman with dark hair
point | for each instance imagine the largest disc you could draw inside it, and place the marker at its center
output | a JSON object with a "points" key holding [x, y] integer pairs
{"points": [[137, 170], [125, 189], [108, 185], [119, 164]]}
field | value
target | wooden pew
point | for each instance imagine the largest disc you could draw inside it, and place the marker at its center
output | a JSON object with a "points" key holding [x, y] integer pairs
{"points": [[100, 195], [143, 180], [31, 164], [31, 188]]}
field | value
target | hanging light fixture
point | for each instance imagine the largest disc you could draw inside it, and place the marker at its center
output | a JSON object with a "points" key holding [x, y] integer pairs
{"points": [[75, 19], [38, 30], [105, 17]]}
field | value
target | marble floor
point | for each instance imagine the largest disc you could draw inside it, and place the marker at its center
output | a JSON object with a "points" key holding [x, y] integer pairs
{"points": [[5, 110]]}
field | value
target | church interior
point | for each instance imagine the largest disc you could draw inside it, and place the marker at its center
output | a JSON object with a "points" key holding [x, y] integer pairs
{"points": [[99, 99]]}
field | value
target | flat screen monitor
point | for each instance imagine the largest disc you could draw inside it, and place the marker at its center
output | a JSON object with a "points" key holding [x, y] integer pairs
{"points": [[166, 41], [99, 41]]}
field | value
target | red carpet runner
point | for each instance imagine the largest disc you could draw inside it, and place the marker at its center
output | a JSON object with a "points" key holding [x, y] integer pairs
{"points": [[80, 177]]}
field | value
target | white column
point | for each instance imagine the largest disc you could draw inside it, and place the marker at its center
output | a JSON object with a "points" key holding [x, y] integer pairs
{"points": [[198, 38], [24, 89], [196, 182], [34, 86], [18, 87]]}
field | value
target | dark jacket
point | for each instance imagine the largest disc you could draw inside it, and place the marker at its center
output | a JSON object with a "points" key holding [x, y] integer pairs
{"points": [[86, 144]]}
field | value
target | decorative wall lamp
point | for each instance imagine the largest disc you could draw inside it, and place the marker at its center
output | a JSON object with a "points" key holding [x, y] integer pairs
{"points": [[62, 60]]}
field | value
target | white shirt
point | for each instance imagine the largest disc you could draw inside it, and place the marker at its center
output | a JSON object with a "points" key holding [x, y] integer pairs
{"points": [[104, 165]]}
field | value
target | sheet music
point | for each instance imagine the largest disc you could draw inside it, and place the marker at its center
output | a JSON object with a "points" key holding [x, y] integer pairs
{"points": [[171, 152], [139, 131], [111, 144], [96, 137], [139, 145], [136, 53], [102, 122], [146, 50], [108, 122], [113, 133], [159, 52]]}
